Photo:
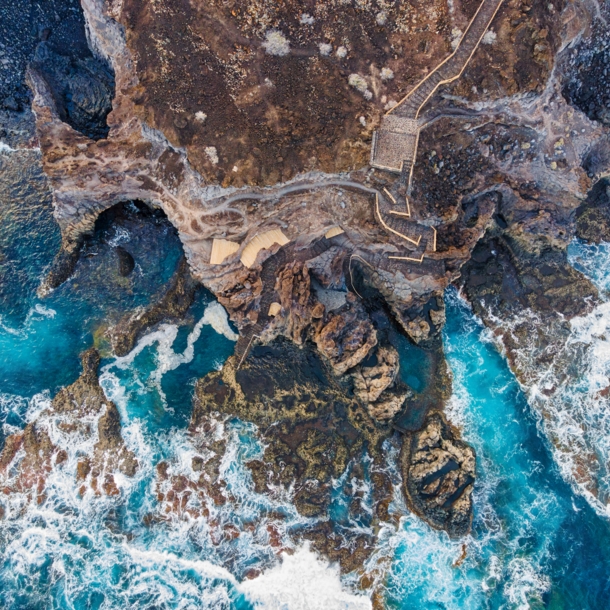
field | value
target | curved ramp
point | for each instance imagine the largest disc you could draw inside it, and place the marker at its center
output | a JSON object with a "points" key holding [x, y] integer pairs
{"points": [[263, 241]]}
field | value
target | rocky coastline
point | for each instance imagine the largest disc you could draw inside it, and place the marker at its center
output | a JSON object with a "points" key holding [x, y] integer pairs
{"points": [[510, 170], [79, 415]]}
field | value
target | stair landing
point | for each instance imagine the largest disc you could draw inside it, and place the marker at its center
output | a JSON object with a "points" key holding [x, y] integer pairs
{"points": [[395, 143]]}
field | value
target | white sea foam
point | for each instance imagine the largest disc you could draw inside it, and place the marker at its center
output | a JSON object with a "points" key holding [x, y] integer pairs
{"points": [[46, 312], [302, 582], [571, 395], [36, 313], [216, 316], [568, 395], [526, 584], [121, 236], [418, 566], [159, 564], [593, 260], [188, 562], [37, 404], [167, 359], [159, 558]]}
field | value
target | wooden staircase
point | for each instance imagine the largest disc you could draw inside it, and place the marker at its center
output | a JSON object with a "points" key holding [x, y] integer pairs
{"points": [[452, 67]]}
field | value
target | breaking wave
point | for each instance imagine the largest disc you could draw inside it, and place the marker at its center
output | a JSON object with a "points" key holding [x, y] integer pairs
{"points": [[571, 394]]}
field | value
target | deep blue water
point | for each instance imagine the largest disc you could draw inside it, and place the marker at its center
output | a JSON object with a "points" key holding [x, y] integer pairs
{"points": [[535, 543]]}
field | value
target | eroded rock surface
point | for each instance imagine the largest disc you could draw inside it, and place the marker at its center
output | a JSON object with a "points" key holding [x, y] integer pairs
{"points": [[80, 430], [313, 432], [370, 381], [439, 472], [347, 337]]}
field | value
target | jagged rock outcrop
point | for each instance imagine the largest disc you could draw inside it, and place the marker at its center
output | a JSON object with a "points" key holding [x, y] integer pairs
{"points": [[370, 381], [136, 162], [294, 290], [373, 379], [82, 87], [33, 467], [312, 432], [79, 414], [593, 216], [438, 472], [347, 336]]}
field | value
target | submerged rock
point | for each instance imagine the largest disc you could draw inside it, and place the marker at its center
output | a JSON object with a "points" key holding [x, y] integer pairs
{"points": [[126, 261], [78, 414], [439, 473], [172, 304]]}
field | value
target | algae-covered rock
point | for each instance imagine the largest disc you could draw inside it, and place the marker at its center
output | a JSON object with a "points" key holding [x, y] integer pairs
{"points": [[439, 473], [312, 428]]}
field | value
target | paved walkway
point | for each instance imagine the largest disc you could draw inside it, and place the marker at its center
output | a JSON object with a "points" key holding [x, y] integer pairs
{"points": [[395, 144]]}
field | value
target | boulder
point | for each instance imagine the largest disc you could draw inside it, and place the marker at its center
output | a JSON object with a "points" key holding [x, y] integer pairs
{"points": [[439, 473], [347, 337], [371, 381]]}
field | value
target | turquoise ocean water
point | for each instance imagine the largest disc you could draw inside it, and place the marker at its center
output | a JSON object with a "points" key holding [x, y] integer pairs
{"points": [[535, 542]]}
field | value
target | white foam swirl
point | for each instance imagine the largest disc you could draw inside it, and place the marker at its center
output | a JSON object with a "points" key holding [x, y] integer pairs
{"points": [[302, 582]]}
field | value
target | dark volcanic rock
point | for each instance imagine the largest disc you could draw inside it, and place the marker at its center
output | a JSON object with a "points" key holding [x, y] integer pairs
{"points": [[527, 298], [593, 216], [512, 280], [23, 25], [531, 298], [82, 88], [171, 305], [439, 472], [51, 36], [587, 85], [274, 113], [63, 265], [126, 261], [313, 430]]}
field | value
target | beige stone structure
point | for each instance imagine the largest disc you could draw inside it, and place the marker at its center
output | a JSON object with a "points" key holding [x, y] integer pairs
{"points": [[221, 249], [260, 242]]}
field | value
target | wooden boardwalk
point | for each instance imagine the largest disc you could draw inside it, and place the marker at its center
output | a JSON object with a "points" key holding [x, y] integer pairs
{"points": [[394, 146], [395, 143]]}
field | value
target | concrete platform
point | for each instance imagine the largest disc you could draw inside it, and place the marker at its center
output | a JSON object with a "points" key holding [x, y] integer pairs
{"points": [[395, 143]]}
